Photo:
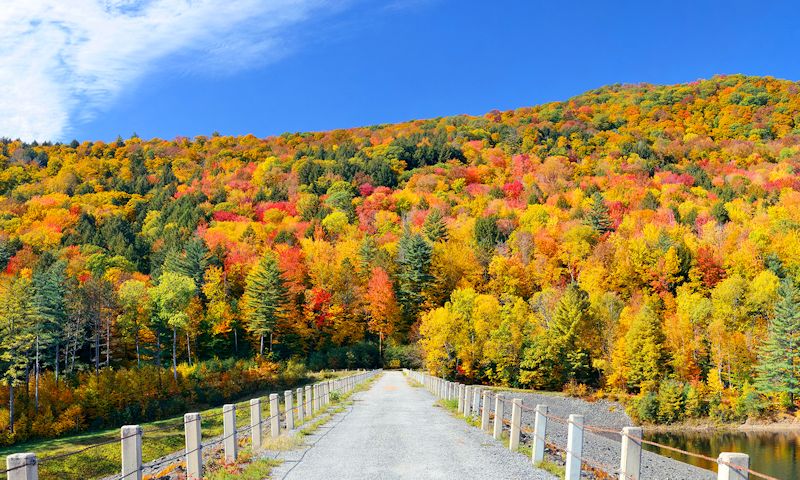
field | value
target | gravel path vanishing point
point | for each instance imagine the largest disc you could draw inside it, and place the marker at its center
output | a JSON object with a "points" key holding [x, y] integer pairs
{"points": [[597, 447], [394, 431]]}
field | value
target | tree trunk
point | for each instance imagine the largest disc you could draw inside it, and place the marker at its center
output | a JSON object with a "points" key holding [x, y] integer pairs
{"points": [[261, 350], [56, 364], [138, 357], [270, 342], [174, 354], [108, 342], [11, 405], [235, 340], [36, 379], [97, 350], [189, 347], [380, 347]]}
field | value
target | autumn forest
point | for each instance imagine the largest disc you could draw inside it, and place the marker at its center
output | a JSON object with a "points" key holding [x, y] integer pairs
{"points": [[635, 241]]}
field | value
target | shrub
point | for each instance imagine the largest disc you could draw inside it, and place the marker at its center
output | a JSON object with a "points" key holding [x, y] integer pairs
{"points": [[671, 401]]}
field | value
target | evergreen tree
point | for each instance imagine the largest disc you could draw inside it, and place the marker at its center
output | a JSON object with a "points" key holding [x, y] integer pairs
{"points": [[646, 357], [779, 359], [650, 202], [414, 262], [597, 217], [264, 297], [435, 229], [17, 340]]}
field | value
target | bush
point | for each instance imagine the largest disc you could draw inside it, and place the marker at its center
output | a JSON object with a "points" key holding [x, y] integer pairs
{"points": [[645, 408], [403, 356]]}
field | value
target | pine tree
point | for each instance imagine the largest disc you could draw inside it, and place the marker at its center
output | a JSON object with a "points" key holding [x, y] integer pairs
{"points": [[435, 229], [17, 340], [598, 217], [264, 297], [650, 202], [646, 357], [779, 359]]}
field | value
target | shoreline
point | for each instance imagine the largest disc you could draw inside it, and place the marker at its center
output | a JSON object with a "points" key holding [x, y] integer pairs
{"points": [[771, 427]]}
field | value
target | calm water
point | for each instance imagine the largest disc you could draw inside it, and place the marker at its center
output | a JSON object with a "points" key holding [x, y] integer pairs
{"points": [[773, 453]]}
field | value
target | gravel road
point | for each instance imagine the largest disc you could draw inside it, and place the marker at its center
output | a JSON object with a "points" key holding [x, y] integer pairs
{"points": [[599, 448], [394, 431]]}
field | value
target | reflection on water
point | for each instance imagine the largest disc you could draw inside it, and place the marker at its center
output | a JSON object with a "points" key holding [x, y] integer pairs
{"points": [[773, 453]]}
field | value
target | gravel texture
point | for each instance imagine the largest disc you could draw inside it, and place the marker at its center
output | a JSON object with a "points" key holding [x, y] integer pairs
{"points": [[600, 449], [394, 431]]}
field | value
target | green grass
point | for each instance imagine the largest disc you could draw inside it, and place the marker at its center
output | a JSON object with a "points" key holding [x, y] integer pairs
{"points": [[159, 438]]}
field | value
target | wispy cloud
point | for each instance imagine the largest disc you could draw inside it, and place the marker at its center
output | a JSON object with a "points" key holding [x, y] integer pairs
{"points": [[62, 61]]}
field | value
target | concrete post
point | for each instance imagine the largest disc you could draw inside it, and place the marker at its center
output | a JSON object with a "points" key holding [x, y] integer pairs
{"points": [[24, 465], [574, 448], [287, 396], [194, 453], [308, 402], [485, 412], [631, 457], [229, 432], [468, 400], [460, 398], [300, 413], [516, 418], [727, 461], [498, 417], [131, 448], [255, 424], [539, 434], [315, 401], [274, 415], [476, 401]]}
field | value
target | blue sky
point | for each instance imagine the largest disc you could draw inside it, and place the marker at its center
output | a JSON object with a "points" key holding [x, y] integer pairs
{"points": [[269, 66]]}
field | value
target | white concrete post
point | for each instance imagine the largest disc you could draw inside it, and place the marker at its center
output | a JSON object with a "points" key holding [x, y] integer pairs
{"points": [[194, 452], [229, 432], [460, 398], [22, 466], [728, 472], [574, 448], [300, 413], [287, 396], [315, 400], [309, 403], [631, 457], [485, 412], [498, 417], [274, 415], [476, 401], [255, 423], [516, 418], [131, 447], [539, 434], [468, 400]]}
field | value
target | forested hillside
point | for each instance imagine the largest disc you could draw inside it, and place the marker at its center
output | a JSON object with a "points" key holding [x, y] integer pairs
{"points": [[640, 239]]}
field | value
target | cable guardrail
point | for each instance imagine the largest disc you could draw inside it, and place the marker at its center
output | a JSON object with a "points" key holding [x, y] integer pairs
{"points": [[469, 404], [316, 396]]}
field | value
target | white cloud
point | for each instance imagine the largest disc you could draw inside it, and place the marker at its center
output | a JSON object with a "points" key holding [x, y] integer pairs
{"points": [[62, 61]]}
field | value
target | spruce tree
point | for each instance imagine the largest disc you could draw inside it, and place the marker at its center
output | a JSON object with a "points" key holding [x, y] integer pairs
{"points": [[435, 229], [779, 359], [264, 297], [597, 217], [414, 261]]}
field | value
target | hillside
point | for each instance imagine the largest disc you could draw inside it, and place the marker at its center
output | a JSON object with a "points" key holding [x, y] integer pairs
{"points": [[632, 238]]}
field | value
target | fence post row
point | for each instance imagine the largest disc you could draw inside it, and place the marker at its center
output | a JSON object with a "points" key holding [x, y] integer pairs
{"points": [[473, 400]]}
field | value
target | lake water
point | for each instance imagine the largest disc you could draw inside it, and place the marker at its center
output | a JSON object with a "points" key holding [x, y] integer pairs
{"points": [[773, 453]]}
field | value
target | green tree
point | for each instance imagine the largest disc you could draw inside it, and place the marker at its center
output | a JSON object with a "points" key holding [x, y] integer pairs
{"points": [[414, 275], [779, 359], [434, 227], [598, 217], [171, 297], [264, 298], [647, 360], [135, 303], [17, 338]]}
